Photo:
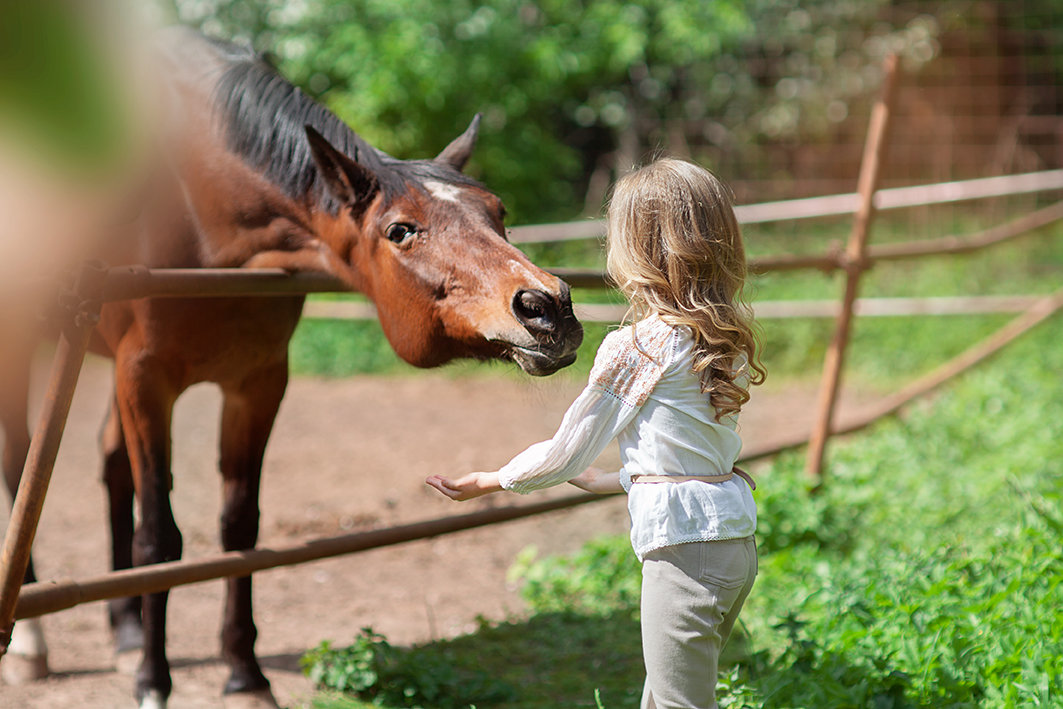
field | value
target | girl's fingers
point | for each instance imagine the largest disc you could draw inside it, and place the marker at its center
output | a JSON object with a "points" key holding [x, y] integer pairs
{"points": [[439, 483], [465, 487], [445, 486]]}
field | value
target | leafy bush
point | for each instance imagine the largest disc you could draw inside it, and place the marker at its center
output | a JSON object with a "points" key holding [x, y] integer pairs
{"points": [[790, 515], [603, 578], [374, 670], [960, 626], [928, 572]]}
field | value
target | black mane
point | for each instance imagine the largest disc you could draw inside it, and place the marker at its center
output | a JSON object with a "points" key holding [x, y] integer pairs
{"points": [[264, 118]]}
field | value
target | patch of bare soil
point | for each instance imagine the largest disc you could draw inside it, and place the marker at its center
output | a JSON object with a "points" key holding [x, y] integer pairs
{"points": [[345, 455]]}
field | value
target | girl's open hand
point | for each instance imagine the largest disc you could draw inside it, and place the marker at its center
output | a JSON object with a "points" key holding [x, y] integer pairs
{"points": [[466, 487]]}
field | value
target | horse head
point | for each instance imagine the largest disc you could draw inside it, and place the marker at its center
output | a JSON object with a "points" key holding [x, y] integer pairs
{"points": [[427, 245]]}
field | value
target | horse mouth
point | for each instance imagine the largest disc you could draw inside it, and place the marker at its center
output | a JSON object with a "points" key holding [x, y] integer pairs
{"points": [[537, 362]]}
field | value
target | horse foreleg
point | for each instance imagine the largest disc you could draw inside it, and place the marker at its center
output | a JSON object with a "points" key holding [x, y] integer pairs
{"points": [[145, 402], [27, 655], [118, 477], [247, 419]]}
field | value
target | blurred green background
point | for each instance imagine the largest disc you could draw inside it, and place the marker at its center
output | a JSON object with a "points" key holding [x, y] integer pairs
{"points": [[773, 95]]}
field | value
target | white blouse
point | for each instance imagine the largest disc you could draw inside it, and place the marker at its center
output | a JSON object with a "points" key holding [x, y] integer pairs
{"points": [[643, 392]]}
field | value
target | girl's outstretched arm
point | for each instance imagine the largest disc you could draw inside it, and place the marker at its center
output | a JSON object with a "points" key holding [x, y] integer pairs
{"points": [[466, 487]]}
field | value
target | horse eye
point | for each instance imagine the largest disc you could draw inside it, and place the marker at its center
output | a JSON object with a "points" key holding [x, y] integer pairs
{"points": [[398, 233]]}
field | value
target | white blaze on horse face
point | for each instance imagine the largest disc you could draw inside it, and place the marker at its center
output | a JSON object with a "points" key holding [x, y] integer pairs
{"points": [[443, 191], [521, 271], [500, 324]]}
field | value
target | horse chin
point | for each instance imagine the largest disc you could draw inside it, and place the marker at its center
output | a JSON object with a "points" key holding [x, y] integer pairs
{"points": [[539, 364]]}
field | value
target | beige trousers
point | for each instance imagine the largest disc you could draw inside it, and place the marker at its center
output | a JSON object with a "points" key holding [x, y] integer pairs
{"points": [[691, 596]]}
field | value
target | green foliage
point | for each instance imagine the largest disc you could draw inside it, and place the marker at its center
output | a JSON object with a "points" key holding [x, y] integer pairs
{"points": [[552, 657], [967, 625], [559, 659], [927, 572], [604, 578], [550, 77], [339, 348], [571, 88], [57, 91], [374, 670]]}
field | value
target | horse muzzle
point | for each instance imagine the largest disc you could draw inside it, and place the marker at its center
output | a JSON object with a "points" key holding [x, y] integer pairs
{"points": [[552, 334]]}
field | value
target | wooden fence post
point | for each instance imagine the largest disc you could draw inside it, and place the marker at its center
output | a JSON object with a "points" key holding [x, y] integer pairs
{"points": [[854, 261], [44, 447]]}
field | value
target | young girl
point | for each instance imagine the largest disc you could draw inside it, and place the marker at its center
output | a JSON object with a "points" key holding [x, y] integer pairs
{"points": [[669, 387]]}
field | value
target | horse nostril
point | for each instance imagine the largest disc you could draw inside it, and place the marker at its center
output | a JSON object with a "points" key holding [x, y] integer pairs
{"points": [[535, 310]]}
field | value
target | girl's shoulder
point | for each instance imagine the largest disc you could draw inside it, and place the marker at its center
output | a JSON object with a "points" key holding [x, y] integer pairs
{"points": [[632, 359], [649, 337]]}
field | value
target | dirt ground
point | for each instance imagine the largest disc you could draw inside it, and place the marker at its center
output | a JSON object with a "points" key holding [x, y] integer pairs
{"points": [[345, 455]]}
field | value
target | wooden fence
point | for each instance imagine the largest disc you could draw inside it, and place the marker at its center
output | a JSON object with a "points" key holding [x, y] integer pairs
{"points": [[97, 284]]}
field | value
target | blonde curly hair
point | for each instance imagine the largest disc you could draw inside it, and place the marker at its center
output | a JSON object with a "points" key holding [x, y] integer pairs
{"points": [[675, 250]]}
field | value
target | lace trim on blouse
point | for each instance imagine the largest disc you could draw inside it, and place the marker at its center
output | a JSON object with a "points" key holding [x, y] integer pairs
{"points": [[632, 360]]}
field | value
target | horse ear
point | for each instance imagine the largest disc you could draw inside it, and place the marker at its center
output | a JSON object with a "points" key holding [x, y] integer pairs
{"points": [[351, 183], [457, 153]]}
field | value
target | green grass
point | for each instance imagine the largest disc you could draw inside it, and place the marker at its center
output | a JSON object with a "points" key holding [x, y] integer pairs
{"points": [[927, 573], [340, 348]]}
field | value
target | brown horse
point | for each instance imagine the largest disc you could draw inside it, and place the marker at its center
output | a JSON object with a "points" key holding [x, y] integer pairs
{"points": [[257, 175]]}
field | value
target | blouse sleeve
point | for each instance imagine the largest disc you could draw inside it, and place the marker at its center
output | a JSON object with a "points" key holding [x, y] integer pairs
{"points": [[621, 380]]}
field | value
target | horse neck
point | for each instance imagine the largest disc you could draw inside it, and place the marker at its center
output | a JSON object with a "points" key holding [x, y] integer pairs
{"points": [[221, 210], [238, 212]]}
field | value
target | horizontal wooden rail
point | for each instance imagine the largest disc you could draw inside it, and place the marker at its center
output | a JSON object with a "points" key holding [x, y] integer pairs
{"points": [[954, 245], [829, 205], [1038, 312], [835, 259], [126, 283], [48, 597], [132, 282], [764, 310]]}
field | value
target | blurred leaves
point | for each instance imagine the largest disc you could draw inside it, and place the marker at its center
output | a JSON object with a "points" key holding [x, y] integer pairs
{"points": [[568, 88], [56, 90]]}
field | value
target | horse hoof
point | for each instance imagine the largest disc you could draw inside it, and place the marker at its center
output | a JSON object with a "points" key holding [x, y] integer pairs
{"points": [[23, 669], [27, 655], [153, 699], [256, 699]]}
